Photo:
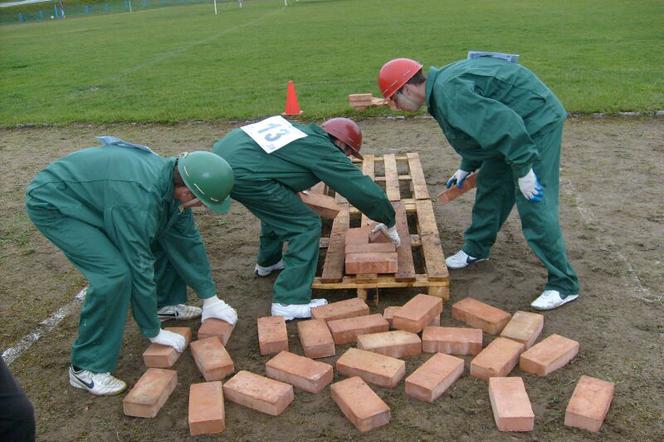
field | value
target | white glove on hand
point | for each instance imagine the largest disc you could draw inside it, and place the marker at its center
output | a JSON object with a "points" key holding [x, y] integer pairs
{"points": [[171, 339], [390, 232], [531, 187], [216, 308], [459, 177]]}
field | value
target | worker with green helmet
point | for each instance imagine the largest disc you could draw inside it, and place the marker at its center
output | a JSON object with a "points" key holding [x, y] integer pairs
{"points": [[272, 161], [121, 214], [507, 124]]}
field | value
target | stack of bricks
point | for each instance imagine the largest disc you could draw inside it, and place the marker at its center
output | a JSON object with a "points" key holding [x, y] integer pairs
{"points": [[368, 258], [363, 101]]}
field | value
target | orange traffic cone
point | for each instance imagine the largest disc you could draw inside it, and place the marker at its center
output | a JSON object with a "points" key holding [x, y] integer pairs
{"points": [[292, 106]]}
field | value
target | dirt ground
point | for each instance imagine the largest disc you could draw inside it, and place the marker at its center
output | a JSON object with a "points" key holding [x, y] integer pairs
{"points": [[612, 213]]}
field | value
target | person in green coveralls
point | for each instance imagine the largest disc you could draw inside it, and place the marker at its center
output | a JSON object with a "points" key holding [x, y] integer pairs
{"points": [[121, 214], [272, 161], [505, 122]]}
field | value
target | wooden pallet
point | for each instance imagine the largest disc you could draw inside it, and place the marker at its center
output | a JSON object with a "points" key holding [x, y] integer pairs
{"points": [[429, 271]]}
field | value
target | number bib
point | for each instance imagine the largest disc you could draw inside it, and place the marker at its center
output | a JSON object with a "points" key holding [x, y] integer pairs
{"points": [[273, 133]]}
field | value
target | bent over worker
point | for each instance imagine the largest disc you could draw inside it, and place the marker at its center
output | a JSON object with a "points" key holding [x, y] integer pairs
{"points": [[505, 122], [272, 160], [120, 213]]}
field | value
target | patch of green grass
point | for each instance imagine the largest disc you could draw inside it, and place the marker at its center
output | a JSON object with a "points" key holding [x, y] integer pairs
{"points": [[185, 63]]}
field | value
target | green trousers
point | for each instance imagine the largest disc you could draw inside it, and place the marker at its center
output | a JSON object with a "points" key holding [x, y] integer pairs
{"points": [[497, 192], [104, 312], [284, 219]]}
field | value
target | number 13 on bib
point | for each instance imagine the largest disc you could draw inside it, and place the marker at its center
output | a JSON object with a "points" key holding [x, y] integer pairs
{"points": [[273, 133]]}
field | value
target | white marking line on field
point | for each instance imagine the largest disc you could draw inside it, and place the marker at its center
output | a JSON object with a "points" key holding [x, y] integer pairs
{"points": [[589, 220], [44, 327]]}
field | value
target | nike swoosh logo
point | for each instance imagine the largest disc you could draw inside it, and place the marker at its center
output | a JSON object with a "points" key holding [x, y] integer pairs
{"points": [[90, 385]]}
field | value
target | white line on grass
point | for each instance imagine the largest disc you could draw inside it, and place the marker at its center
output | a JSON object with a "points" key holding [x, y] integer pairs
{"points": [[44, 327]]}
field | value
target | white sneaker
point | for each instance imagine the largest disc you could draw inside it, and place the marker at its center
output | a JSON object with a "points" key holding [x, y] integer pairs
{"points": [[179, 311], [265, 271], [296, 311], [461, 259], [99, 384], [550, 299]]}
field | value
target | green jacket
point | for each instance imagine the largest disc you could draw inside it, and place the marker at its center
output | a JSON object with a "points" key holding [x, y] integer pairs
{"points": [[301, 164], [490, 108], [127, 193]]}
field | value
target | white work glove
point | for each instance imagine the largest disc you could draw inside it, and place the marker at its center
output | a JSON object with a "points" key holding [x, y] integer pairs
{"points": [[531, 187], [459, 177], [390, 232], [216, 308], [171, 339]]}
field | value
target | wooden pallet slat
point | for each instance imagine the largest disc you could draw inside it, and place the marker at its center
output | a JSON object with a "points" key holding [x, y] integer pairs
{"points": [[406, 266], [391, 178], [420, 190], [431, 247], [368, 168], [333, 267]]}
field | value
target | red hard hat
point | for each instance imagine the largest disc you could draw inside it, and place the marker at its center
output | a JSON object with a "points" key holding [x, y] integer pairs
{"points": [[395, 73], [347, 131]]}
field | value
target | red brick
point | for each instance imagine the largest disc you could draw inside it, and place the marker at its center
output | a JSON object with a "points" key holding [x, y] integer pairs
{"points": [[549, 355], [299, 371], [374, 368], [432, 378], [150, 393], [325, 206], [454, 192], [347, 330], [378, 237], [359, 235], [364, 263], [524, 327], [165, 356], [381, 247], [417, 313], [388, 314], [498, 359], [360, 404], [480, 315], [206, 408], [510, 404], [342, 309], [589, 404], [272, 335], [397, 344], [452, 340], [259, 393], [212, 359], [216, 327], [316, 339]]}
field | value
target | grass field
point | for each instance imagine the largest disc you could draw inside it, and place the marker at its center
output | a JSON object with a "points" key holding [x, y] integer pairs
{"points": [[184, 63]]}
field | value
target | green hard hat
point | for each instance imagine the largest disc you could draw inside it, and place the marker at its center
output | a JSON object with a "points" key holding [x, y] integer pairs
{"points": [[209, 177]]}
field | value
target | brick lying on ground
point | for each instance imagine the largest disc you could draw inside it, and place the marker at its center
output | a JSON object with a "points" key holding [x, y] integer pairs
{"points": [[379, 247], [452, 340], [259, 393], [417, 313], [212, 359], [480, 315], [272, 334], [165, 356], [342, 309], [374, 368], [206, 408], [498, 359], [388, 314], [549, 355], [150, 393], [524, 327], [432, 378], [299, 371], [316, 339], [510, 403], [589, 404], [347, 330], [360, 404], [325, 206], [216, 327], [397, 343], [369, 263]]}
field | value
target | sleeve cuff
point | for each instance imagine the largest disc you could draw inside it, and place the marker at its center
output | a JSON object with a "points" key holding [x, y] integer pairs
{"points": [[469, 166], [521, 171]]}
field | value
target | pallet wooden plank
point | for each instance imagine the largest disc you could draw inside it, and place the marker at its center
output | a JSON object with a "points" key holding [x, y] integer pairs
{"points": [[431, 247], [368, 168], [420, 190], [383, 282], [333, 267], [391, 177], [405, 266]]}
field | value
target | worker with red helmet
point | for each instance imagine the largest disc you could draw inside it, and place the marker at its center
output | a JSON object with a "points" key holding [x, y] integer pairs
{"points": [[507, 124], [272, 161]]}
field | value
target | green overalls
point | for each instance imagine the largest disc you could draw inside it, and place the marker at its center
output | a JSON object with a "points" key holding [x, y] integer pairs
{"points": [[503, 120], [267, 184], [112, 212]]}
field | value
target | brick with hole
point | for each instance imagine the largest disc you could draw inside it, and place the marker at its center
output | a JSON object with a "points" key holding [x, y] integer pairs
{"points": [[299, 371], [360, 404], [432, 378], [480, 315]]}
